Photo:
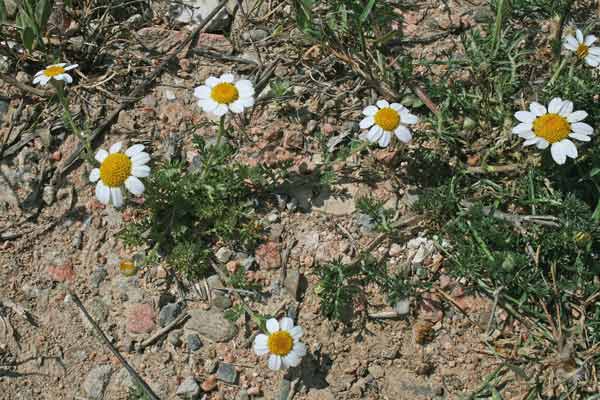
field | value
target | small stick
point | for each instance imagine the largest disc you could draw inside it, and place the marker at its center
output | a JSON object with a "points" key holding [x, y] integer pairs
{"points": [[455, 304], [163, 331], [136, 377], [547, 220], [496, 298]]}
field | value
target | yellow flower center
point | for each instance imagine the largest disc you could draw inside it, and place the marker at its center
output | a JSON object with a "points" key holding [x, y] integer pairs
{"points": [[387, 118], [115, 169], [280, 343], [582, 51], [551, 127], [53, 71], [224, 93], [127, 267]]}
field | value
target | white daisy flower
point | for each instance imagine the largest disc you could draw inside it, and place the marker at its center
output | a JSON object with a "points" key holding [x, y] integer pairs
{"points": [[56, 71], [386, 119], [117, 170], [282, 343], [553, 126], [220, 95], [582, 46]]}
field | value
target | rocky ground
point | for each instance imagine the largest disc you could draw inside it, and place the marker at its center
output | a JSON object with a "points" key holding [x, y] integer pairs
{"points": [[54, 236]]}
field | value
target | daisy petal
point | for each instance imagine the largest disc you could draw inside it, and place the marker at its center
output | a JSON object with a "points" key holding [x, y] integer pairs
{"points": [[202, 92], [370, 111], [569, 148], [525, 116], [291, 360], [116, 196], [101, 155], [592, 61], [382, 103], [296, 332], [554, 106], [65, 77], [579, 36], [300, 349], [285, 323], [537, 109], [227, 78], [274, 362], [212, 82], [566, 108], [558, 153], [522, 128], [582, 128], [408, 118], [577, 116], [403, 134], [102, 193], [398, 107], [70, 67], [95, 175], [133, 150], [531, 141], [571, 43], [261, 344], [247, 101], [366, 122], [140, 159], [579, 136], [141, 171], [236, 107], [542, 144], [384, 140], [208, 105], [134, 185], [374, 133], [115, 147], [272, 325], [589, 40], [220, 110]]}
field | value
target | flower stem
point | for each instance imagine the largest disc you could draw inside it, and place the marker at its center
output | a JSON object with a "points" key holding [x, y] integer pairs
{"points": [[74, 128], [221, 130], [557, 72]]}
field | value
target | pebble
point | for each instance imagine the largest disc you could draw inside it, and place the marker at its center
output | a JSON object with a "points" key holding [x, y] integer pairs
{"points": [[376, 371], [395, 250], [168, 314], [209, 384], [210, 366], [98, 276], [366, 223], [243, 395], [221, 302], [402, 306], [193, 341], [273, 217], [227, 373], [224, 254], [48, 195], [174, 337], [268, 255], [96, 381], [255, 35], [140, 318], [212, 325], [292, 283], [188, 389]]}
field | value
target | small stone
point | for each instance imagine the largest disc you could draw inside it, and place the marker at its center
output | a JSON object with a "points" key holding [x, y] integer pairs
{"points": [[214, 282], [210, 366], [243, 395], [292, 283], [221, 301], [193, 12], [311, 126], [402, 306], [224, 254], [188, 389], [140, 318], [255, 35], [268, 255], [98, 276], [48, 195], [276, 231], [96, 381], [395, 250], [366, 223], [273, 217], [377, 371], [62, 273], [174, 337], [212, 325], [227, 373], [168, 314], [193, 341], [209, 384]]}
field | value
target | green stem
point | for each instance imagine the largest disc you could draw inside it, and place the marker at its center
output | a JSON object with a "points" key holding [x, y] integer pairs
{"points": [[74, 128], [221, 130], [557, 72]]}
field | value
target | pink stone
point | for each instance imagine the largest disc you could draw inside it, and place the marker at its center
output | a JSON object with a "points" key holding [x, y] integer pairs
{"points": [[268, 256], [62, 273], [140, 318]]}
